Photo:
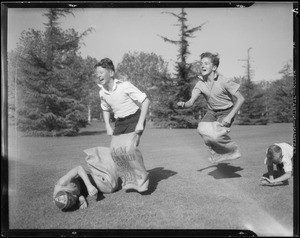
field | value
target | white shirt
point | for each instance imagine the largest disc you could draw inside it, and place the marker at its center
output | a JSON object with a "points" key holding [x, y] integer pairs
{"points": [[124, 99], [287, 153]]}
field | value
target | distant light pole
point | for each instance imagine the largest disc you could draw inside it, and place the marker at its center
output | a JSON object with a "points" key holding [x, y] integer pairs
{"points": [[249, 71]]}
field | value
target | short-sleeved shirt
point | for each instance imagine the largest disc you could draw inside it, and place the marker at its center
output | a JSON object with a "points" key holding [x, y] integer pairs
{"points": [[287, 153], [219, 94], [124, 99]]}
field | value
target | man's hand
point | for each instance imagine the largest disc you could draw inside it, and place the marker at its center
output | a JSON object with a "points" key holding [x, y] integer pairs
{"points": [[109, 131], [226, 121], [82, 203], [181, 104], [92, 191], [139, 128], [266, 181]]}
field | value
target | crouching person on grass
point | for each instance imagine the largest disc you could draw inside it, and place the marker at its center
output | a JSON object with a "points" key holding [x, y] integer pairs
{"points": [[129, 106], [281, 155]]}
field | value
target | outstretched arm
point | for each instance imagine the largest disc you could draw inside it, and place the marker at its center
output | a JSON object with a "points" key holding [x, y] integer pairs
{"points": [[270, 182], [283, 177], [195, 94]]}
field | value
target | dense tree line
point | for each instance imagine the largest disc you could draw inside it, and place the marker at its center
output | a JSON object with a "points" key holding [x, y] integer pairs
{"points": [[52, 89], [53, 83], [181, 87]]}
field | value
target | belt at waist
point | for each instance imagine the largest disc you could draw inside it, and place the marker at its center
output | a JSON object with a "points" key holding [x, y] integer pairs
{"points": [[221, 110], [129, 116]]}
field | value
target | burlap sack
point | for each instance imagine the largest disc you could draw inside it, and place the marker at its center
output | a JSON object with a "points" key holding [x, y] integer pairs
{"points": [[103, 168], [213, 130], [220, 145], [129, 162]]}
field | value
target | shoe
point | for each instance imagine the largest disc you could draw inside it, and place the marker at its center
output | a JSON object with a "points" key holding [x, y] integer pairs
{"points": [[215, 158], [227, 157]]}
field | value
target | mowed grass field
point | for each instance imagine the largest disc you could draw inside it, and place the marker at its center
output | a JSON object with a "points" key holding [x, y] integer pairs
{"points": [[185, 191]]}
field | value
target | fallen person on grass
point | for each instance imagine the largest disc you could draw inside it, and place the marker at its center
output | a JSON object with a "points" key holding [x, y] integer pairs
{"points": [[72, 189], [68, 191]]}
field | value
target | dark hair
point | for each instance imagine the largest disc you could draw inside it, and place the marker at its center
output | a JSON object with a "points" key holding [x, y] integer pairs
{"points": [[214, 57], [274, 152], [105, 63], [65, 200]]}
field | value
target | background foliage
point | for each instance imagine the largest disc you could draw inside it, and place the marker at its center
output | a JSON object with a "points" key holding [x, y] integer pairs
{"points": [[52, 89]]}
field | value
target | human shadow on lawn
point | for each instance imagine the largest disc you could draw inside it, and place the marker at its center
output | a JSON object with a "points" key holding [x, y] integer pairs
{"points": [[155, 176], [91, 133], [223, 170]]}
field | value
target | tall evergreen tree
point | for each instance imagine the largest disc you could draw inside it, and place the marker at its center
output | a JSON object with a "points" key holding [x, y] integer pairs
{"points": [[253, 110], [280, 96], [185, 77], [51, 78]]}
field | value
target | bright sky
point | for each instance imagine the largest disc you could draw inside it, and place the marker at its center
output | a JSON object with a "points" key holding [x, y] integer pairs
{"points": [[266, 27]]}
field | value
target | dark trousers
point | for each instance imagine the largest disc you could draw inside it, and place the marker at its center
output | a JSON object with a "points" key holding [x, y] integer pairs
{"points": [[127, 124]]}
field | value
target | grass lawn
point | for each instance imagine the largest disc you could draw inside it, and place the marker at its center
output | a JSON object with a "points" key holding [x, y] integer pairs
{"points": [[185, 191]]}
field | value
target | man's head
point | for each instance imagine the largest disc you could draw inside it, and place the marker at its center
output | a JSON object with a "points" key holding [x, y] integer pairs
{"points": [[65, 200], [105, 70], [209, 63], [274, 154]]}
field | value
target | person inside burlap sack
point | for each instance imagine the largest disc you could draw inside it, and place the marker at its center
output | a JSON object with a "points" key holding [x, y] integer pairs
{"points": [[219, 93], [71, 190], [129, 106]]}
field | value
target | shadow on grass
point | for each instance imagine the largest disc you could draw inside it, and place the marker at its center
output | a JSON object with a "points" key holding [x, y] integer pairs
{"points": [[91, 133], [223, 170], [155, 176]]}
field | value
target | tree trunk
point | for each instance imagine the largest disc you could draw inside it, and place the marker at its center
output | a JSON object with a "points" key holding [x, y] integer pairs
{"points": [[89, 113]]}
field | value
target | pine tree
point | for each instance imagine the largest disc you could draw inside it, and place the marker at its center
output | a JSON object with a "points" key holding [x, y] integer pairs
{"points": [[253, 110], [280, 96], [185, 78], [51, 79]]}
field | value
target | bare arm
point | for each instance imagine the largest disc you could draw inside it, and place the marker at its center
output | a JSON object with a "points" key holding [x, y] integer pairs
{"points": [[82, 202], [73, 173], [144, 109], [106, 116], [189, 103], [239, 102], [64, 180], [283, 177], [271, 180]]}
